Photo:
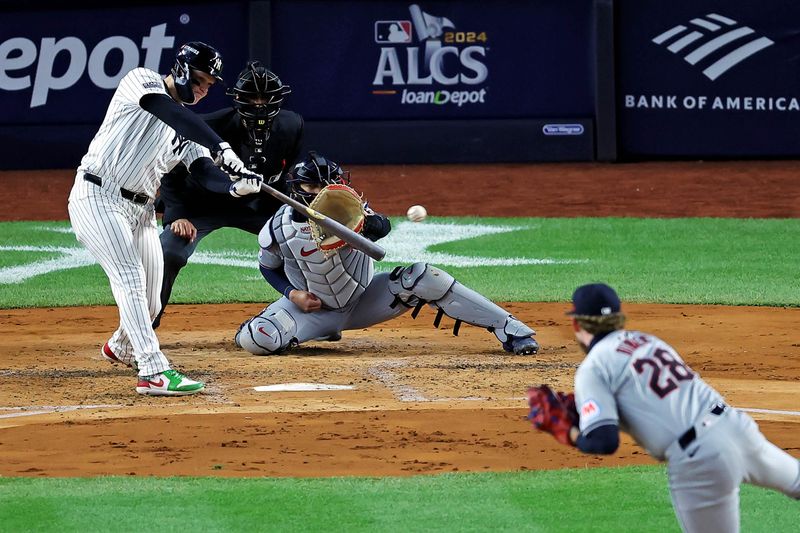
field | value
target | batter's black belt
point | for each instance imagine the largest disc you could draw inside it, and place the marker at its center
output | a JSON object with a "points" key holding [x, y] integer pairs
{"points": [[135, 197], [687, 438]]}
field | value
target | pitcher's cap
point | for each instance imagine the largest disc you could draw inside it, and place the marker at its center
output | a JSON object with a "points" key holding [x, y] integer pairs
{"points": [[594, 299]]}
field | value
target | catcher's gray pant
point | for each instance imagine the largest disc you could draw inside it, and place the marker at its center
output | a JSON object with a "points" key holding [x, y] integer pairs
{"points": [[123, 237], [283, 323], [704, 478]]}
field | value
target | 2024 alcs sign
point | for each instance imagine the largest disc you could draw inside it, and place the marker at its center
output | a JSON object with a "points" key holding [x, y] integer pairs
{"points": [[448, 58]]}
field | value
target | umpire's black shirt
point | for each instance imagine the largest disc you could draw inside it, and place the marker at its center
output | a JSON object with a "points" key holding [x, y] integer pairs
{"points": [[185, 197]]}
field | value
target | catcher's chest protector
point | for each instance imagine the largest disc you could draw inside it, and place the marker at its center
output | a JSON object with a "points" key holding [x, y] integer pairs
{"points": [[337, 280]]}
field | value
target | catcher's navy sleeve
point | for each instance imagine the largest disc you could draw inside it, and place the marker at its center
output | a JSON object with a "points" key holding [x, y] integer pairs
{"points": [[602, 440], [180, 119], [278, 280]]}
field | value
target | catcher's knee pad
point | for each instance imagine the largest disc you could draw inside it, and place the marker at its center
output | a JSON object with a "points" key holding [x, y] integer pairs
{"points": [[419, 281], [267, 334]]}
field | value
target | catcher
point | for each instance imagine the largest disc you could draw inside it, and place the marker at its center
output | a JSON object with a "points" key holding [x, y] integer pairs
{"points": [[329, 287], [637, 382]]}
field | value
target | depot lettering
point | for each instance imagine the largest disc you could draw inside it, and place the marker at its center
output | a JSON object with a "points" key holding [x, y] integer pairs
{"points": [[18, 55]]}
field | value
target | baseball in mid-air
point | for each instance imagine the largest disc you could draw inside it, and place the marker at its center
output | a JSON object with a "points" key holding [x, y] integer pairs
{"points": [[416, 213]]}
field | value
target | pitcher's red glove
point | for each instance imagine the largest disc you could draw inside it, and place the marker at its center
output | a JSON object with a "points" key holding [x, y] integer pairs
{"points": [[552, 412]]}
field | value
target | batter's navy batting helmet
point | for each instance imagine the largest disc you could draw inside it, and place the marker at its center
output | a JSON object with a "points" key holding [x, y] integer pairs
{"points": [[194, 56], [314, 170], [258, 97]]}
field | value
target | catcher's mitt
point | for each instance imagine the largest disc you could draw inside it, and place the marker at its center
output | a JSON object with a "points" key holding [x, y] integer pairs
{"points": [[552, 412], [344, 205]]}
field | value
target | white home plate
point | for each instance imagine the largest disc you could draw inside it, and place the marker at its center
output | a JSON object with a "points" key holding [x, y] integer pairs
{"points": [[301, 387]]}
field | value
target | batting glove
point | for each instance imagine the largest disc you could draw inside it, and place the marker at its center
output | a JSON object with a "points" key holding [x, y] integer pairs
{"points": [[227, 160], [249, 183]]}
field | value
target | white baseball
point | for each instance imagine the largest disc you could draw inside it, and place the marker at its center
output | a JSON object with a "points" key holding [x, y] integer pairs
{"points": [[416, 213]]}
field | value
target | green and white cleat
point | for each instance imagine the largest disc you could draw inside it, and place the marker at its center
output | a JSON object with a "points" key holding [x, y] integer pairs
{"points": [[169, 383]]}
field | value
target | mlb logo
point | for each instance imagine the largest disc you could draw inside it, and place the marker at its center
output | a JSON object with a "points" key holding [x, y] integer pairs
{"points": [[393, 31]]}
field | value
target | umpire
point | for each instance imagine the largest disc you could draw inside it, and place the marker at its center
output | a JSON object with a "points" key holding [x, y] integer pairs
{"points": [[267, 138]]}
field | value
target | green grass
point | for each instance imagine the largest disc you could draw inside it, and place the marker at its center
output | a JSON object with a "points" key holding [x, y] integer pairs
{"points": [[575, 500], [699, 260]]}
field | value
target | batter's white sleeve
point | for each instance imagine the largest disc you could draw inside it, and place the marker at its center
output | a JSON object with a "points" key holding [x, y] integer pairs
{"points": [[139, 82], [192, 151]]}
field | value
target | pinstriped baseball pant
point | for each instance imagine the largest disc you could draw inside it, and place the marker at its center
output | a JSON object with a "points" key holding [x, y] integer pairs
{"points": [[123, 237]]}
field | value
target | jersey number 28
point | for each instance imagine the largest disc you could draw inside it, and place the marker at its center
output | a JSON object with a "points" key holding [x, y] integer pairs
{"points": [[663, 361]]}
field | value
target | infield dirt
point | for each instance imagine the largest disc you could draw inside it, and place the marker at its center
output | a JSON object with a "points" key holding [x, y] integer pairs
{"points": [[423, 401]]}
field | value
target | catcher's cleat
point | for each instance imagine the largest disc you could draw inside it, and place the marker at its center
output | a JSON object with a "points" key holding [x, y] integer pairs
{"points": [[521, 345], [169, 383], [109, 356]]}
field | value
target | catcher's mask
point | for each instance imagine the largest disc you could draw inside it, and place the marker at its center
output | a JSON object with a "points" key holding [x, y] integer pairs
{"points": [[258, 97], [194, 55], [314, 170]]}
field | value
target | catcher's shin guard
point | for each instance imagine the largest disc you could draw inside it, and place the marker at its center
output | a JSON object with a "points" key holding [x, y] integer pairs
{"points": [[267, 334], [421, 283]]}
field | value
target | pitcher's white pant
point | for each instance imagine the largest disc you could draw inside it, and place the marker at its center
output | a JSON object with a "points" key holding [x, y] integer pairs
{"points": [[704, 478], [123, 237]]}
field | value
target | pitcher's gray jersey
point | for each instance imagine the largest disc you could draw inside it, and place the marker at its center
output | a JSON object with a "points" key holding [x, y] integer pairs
{"points": [[133, 148], [638, 382], [338, 280]]}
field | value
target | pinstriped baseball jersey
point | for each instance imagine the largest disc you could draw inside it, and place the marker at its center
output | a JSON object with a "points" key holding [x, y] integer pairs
{"points": [[637, 381], [133, 148], [337, 280]]}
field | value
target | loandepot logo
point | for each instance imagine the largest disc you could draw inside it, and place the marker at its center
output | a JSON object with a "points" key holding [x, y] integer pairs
{"points": [[407, 243], [714, 43], [447, 58]]}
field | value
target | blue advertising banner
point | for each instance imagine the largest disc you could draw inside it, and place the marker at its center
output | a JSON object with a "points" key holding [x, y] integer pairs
{"points": [[383, 60], [62, 66], [708, 78]]}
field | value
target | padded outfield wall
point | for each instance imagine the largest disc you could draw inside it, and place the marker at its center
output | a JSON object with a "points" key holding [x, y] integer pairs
{"points": [[437, 81]]}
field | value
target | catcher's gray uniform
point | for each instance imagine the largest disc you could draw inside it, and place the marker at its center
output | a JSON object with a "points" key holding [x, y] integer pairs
{"points": [[353, 297], [640, 383]]}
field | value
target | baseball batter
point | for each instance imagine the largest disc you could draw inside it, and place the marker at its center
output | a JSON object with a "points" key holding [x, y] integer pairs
{"points": [[327, 293], [145, 133], [636, 382]]}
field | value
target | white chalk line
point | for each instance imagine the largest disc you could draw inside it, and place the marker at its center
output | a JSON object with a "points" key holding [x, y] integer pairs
{"points": [[769, 411], [404, 393], [47, 409]]}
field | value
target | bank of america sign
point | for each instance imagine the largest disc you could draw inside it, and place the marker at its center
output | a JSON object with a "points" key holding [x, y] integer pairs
{"points": [[714, 43]]}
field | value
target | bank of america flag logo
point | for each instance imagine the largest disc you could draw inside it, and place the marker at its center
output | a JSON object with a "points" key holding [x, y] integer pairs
{"points": [[714, 41]]}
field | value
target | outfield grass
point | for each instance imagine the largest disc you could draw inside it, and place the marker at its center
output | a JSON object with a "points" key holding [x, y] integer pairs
{"points": [[575, 500], [697, 260]]}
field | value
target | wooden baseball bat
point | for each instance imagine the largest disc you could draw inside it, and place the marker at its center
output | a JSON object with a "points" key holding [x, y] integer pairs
{"points": [[355, 240]]}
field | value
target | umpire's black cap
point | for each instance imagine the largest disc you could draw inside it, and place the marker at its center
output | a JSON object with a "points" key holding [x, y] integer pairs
{"points": [[594, 299]]}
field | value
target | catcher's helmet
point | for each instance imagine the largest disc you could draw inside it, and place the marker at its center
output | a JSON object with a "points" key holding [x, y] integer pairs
{"points": [[258, 96], [194, 55], [314, 170]]}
